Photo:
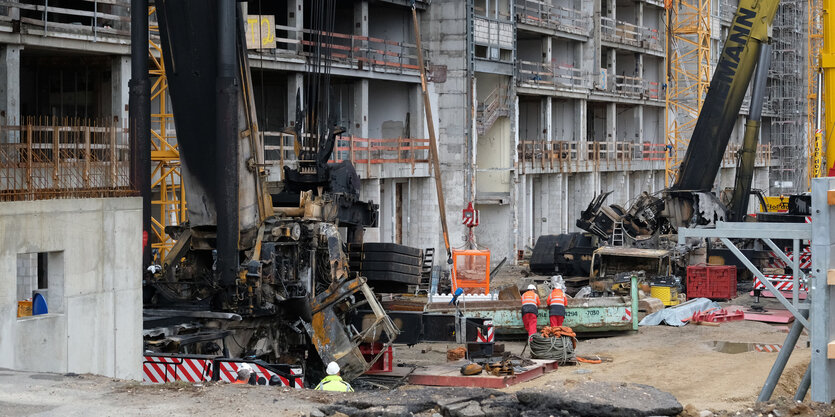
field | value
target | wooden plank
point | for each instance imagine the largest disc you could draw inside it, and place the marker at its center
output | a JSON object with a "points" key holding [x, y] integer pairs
{"points": [[830, 197], [830, 350], [830, 277]]}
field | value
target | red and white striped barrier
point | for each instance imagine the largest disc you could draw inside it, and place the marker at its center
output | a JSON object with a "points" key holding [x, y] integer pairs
{"points": [[490, 336], [805, 261], [767, 348], [780, 282], [627, 316], [161, 369], [229, 373], [158, 369]]}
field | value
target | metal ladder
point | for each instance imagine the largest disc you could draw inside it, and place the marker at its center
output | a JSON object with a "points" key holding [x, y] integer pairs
{"points": [[617, 234], [426, 271]]}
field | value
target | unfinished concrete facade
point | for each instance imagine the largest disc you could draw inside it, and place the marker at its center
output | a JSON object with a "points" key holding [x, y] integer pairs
{"points": [[84, 255], [538, 104]]}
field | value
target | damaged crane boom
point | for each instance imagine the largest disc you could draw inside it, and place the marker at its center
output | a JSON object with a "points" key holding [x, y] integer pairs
{"points": [[275, 262]]}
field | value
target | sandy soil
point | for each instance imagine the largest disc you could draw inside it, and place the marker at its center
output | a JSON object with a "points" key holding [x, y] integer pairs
{"points": [[681, 361]]}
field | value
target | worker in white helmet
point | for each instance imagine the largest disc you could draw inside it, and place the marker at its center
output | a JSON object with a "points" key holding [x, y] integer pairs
{"points": [[244, 373], [530, 307], [334, 382]]}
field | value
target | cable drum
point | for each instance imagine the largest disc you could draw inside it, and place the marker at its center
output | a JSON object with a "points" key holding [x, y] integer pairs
{"points": [[559, 348]]}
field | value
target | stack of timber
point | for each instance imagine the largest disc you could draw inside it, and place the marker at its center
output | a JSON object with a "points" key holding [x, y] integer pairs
{"points": [[389, 267]]}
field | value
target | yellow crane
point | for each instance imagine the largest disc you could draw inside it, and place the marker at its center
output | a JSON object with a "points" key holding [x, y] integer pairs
{"points": [[826, 98]]}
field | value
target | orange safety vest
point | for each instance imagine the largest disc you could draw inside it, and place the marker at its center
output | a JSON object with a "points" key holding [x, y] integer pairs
{"points": [[530, 297], [556, 297]]}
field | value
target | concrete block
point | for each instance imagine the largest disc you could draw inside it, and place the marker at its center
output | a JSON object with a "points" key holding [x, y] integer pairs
{"points": [[127, 325], [41, 343]]}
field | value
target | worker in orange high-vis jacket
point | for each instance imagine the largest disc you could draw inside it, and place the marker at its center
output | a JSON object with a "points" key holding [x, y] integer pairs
{"points": [[530, 306], [556, 307]]}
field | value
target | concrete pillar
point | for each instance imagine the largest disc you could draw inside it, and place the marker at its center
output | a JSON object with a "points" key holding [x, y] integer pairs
{"points": [[370, 191], [581, 108], [295, 19], [611, 122], [416, 112], [546, 127], [10, 87], [595, 45], [295, 84], [547, 54], [119, 76], [361, 18], [361, 108], [639, 14], [639, 124]]}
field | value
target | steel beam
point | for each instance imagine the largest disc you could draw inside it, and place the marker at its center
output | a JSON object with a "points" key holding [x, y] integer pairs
{"points": [[822, 376], [749, 230]]}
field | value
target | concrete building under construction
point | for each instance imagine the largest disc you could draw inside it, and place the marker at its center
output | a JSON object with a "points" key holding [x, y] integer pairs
{"points": [[540, 104]]}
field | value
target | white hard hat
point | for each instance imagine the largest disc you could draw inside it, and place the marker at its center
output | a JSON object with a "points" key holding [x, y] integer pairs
{"points": [[244, 371], [333, 368], [532, 287]]}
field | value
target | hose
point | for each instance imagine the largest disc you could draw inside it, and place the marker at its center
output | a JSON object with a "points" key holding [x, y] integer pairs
{"points": [[560, 348]]}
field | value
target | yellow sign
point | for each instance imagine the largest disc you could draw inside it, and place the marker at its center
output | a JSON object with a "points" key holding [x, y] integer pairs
{"points": [[260, 31], [776, 204]]}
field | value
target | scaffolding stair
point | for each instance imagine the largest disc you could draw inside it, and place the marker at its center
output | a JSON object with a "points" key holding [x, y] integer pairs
{"points": [[491, 109]]}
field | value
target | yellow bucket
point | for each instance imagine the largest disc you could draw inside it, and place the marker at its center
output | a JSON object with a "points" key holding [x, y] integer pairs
{"points": [[667, 295]]}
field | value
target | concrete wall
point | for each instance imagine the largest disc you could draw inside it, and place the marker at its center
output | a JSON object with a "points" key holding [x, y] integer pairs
{"points": [[95, 296], [388, 109]]}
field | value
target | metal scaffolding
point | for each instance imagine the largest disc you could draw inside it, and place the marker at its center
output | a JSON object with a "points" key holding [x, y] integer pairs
{"points": [[169, 204], [688, 76], [787, 92]]}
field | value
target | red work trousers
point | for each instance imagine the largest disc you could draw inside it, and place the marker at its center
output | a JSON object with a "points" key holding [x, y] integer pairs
{"points": [[529, 320], [556, 321]]}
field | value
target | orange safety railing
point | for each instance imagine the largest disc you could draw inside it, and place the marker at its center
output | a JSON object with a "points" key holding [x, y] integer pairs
{"points": [[571, 156], [360, 52], [381, 151], [68, 158], [471, 271], [280, 150]]}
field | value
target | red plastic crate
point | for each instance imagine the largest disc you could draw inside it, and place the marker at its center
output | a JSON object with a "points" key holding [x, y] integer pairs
{"points": [[711, 281], [386, 361]]}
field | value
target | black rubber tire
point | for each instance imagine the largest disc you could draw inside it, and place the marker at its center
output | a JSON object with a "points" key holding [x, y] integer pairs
{"points": [[385, 247], [388, 287], [385, 257], [384, 267], [391, 277]]}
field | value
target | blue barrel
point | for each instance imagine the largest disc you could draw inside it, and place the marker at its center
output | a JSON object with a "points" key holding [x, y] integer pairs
{"points": [[39, 305]]}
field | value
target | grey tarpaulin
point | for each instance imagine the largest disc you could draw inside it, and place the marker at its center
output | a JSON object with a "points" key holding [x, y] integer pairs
{"points": [[673, 316]]}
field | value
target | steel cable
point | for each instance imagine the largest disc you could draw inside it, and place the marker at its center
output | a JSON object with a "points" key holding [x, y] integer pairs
{"points": [[560, 348]]}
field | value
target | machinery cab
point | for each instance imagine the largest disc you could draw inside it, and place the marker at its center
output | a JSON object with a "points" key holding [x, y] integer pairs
{"points": [[618, 264]]}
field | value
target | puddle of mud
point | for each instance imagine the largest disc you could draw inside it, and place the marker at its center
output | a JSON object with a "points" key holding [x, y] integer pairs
{"points": [[737, 347]]}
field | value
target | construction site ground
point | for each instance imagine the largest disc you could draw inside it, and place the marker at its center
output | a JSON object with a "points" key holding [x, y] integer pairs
{"points": [[681, 361]]}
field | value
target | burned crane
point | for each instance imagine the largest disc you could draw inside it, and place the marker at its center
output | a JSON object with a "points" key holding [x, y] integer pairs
{"points": [[269, 271]]}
